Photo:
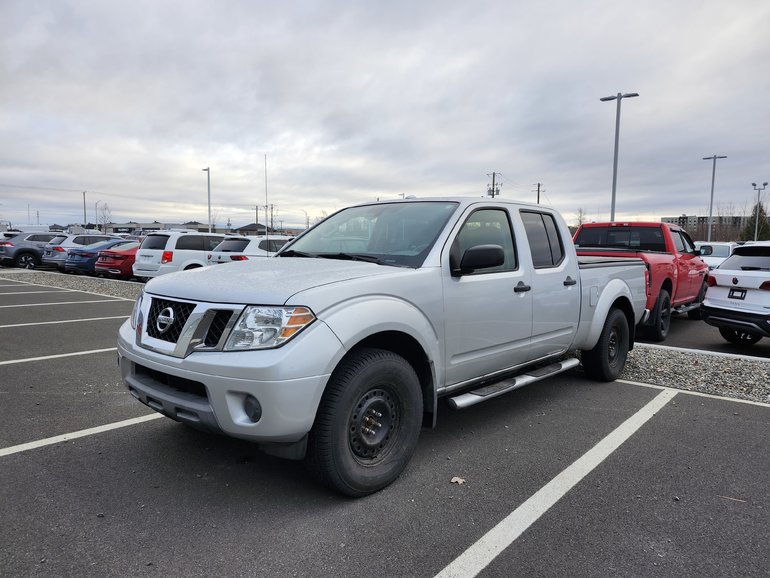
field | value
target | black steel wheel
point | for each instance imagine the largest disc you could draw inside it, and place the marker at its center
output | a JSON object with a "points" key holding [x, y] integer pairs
{"points": [[661, 317], [607, 359], [739, 337], [367, 424]]}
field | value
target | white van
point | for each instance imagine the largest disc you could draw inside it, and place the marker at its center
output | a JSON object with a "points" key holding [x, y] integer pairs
{"points": [[170, 251]]}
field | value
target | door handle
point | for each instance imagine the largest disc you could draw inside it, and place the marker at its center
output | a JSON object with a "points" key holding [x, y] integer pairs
{"points": [[521, 287], [570, 281]]}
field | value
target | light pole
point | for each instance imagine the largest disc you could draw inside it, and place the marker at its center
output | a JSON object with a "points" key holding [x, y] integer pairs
{"points": [[756, 219], [619, 96], [307, 219], [96, 213], [713, 174], [208, 183]]}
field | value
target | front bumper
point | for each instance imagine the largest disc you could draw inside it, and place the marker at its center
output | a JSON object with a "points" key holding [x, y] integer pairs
{"points": [[757, 323], [208, 390]]}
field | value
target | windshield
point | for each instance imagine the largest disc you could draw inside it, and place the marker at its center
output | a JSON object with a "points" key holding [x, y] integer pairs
{"points": [[399, 234], [749, 258]]}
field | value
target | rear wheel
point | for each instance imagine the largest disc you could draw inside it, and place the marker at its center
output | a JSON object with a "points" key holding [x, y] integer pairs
{"points": [[661, 317], [26, 261], [368, 423], [605, 362], [695, 314], [739, 337]]}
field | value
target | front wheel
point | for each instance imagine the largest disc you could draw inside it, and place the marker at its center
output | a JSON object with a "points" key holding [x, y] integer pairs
{"points": [[605, 362], [739, 337], [368, 423]]}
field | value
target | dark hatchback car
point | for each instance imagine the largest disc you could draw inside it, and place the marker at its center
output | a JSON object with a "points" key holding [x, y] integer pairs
{"points": [[117, 261], [83, 259], [24, 249]]}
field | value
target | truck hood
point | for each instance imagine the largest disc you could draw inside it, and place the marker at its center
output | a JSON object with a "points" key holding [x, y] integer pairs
{"points": [[270, 281]]}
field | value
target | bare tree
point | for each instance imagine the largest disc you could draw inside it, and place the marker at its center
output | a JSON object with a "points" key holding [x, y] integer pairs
{"points": [[105, 216], [581, 216], [321, 217]]}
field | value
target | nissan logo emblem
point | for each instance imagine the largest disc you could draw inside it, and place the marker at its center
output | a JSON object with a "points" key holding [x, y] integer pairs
{"points": [[735, 280], [165, 320]]}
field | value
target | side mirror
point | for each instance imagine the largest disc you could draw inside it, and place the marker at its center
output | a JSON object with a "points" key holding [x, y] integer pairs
{"points": [[480, 257]]}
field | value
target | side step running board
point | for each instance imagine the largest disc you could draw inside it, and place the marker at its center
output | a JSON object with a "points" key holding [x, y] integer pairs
{"points": [[491, 391]]}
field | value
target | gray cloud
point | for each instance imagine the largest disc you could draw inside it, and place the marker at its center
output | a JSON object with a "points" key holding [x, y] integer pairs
{"points": [[353, 101]]}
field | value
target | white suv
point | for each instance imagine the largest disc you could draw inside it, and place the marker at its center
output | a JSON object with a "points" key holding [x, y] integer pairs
{"points": [[170, 251], [242, 248], [738, 296]]}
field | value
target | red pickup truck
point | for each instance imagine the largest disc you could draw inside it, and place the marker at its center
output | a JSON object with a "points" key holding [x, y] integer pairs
{"points": [[677, 276]]}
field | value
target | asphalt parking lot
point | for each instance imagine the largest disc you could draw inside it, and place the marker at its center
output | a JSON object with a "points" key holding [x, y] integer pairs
{"points": [[566, 477]]}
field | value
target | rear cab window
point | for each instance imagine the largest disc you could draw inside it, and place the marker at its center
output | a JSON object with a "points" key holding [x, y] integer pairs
{"points": [[634, 238]]}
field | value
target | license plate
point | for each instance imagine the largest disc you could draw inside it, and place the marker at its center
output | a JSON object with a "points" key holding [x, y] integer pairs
{"points": [[146, 258], [737, 294]]}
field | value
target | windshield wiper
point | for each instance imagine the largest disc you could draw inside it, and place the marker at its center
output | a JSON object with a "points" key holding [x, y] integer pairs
{"points": [[293, 253], [353, 257]]}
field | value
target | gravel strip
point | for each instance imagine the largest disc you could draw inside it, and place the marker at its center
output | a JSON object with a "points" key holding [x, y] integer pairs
{"points": [[718, 375]]}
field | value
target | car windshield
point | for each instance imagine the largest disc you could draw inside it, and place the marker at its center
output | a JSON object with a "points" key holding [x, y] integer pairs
{"points": [[57, 240], [398, 234], [98, 245]]}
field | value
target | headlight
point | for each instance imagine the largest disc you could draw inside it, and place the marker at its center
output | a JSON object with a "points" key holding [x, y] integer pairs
{"points": [[137, 310], [262, 327]]}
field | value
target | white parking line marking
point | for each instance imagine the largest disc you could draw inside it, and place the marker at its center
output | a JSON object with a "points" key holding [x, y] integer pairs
{"points": [[34, 292], [78, 434], [486, 549], [64, 303], [57, 356], [64, 321]]}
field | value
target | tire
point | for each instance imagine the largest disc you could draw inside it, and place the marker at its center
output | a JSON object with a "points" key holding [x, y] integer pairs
{"points": [[695, 314], [26, 261], [661, 316], [739, 337], [367, 424], [605, 362]]}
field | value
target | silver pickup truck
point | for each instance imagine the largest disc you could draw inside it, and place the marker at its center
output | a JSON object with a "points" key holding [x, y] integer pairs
{"points": [[338, 349]]}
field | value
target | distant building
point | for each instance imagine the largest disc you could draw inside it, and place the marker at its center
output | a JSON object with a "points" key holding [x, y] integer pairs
{"points": [[723, 227]]}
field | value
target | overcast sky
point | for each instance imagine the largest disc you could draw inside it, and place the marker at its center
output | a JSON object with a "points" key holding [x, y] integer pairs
{"points": [[357, 100]]}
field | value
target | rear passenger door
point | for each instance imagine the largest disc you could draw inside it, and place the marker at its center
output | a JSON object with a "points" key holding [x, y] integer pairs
{"points": [[555, 286]]}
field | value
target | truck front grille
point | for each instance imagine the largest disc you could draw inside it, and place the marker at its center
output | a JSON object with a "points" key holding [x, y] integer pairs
{"points": [[178, 311], [217, 327]]}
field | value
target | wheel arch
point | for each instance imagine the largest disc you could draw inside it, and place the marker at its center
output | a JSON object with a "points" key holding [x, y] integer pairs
{"points": [[409, 348]]}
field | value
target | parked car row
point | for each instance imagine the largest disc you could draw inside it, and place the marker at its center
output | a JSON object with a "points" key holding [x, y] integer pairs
{"points": [[170, 251]]}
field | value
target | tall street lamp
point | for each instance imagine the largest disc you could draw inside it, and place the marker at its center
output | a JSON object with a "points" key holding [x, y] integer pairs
{"points": [[713, 174], [208, 183], [619, 96], [96, 213], [756, 220]]}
